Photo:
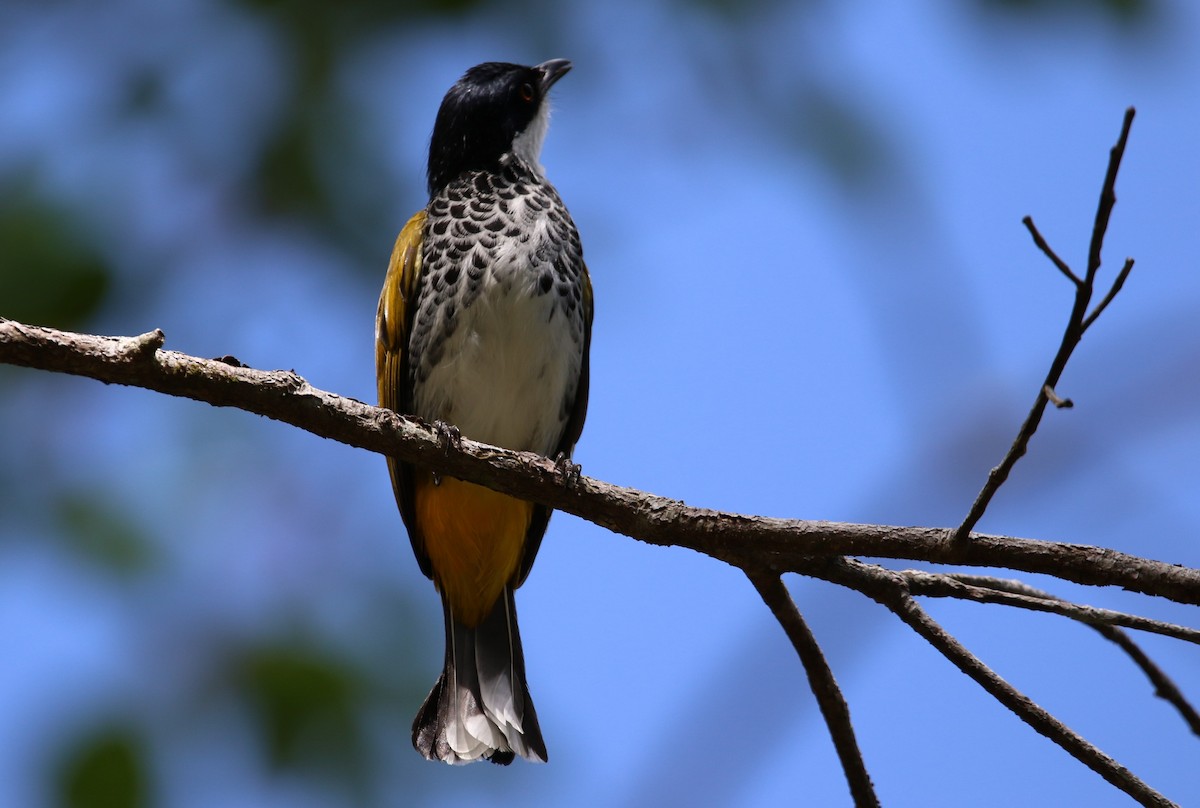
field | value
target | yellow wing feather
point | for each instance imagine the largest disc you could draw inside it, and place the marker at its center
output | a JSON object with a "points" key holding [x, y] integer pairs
{"points": [[392, 324], [393, 319]]}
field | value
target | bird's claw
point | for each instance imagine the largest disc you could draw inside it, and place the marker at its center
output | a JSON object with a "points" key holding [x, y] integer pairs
{"points": [[448, 435], [568, 472]]}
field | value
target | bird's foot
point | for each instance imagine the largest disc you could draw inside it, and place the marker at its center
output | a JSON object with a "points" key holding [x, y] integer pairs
{"points": [[448, 435], [568, 472]]}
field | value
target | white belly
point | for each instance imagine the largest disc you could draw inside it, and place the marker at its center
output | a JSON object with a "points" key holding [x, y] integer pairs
{"points": [[506, 370]]}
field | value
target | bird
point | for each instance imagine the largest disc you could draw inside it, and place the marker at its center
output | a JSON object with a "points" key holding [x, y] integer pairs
{"points": [[484, 330]]}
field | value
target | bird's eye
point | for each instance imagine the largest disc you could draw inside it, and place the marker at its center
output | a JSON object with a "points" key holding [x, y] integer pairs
{"points": [[527, 91]]}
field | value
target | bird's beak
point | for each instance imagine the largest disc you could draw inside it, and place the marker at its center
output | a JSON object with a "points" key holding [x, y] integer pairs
{"points": [[552, 71]]}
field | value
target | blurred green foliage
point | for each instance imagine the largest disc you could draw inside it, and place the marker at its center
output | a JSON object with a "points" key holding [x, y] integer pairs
{"points": [[287, 175], [104, 769], [318, 36], [49, 274], [306, 701], [103, 534], [1119, 11]]}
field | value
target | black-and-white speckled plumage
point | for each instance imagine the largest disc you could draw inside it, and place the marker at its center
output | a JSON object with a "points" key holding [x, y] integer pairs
{"points": [[484, 322], [498, 333]]}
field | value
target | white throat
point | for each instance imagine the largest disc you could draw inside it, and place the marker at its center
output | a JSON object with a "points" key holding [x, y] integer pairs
{"points": [[527, 146]]}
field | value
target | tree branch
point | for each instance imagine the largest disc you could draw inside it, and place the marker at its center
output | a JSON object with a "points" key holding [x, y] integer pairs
{"points": [[1164, 687], [1009, 592], [743, 541], [820, 678], [1077, 324], [986, 589], [891, 590]]}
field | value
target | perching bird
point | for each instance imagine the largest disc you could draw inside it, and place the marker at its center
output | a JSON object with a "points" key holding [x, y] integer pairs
{"points": [[484, 325]]}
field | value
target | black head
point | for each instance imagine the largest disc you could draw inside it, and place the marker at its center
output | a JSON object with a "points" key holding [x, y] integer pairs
{"points": [[494, 109]]}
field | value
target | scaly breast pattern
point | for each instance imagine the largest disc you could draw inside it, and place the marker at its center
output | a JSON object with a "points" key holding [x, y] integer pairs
{"points": [[497, 338]]}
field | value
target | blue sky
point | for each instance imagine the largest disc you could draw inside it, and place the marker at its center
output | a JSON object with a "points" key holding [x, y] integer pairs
{"points": [[775, 334]]}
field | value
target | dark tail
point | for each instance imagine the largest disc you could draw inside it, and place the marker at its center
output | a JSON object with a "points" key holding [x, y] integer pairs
{"points": [[479, 708]]}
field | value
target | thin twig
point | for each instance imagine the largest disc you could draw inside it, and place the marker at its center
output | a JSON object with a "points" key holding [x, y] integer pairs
{"points": [[987, 589], [1112, 292], [820, 679], [1077, 323], [890, 590], [1042, 245], [1108, 198], [1164, 687], [1055, 399], [1007, 592]]}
